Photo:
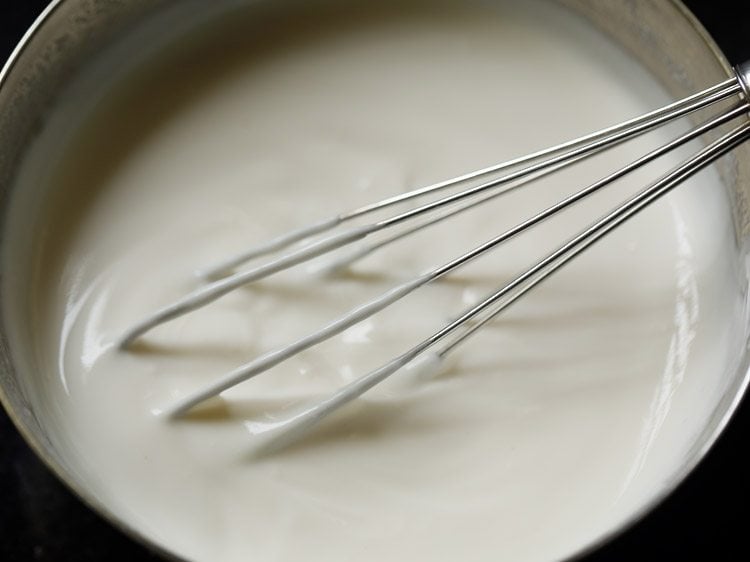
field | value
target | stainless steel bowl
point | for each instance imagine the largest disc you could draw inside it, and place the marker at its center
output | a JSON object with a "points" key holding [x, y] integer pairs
{"points": [[662, 34]]}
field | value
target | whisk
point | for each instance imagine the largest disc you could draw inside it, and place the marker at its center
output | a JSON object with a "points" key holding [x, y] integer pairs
{"points": [[333, 235]]}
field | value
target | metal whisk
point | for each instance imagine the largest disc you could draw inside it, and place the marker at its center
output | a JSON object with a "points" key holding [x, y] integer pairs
{"points": [[327, 236]]}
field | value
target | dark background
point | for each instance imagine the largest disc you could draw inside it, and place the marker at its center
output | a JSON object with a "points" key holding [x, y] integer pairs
{"points": [[705, 519]]}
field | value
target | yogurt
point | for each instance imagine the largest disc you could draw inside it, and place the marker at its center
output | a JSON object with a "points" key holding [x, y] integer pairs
{"points": [[540, 434]]}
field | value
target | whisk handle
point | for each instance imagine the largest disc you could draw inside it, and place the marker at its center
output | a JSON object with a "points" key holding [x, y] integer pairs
{"points": [[743, 75]]}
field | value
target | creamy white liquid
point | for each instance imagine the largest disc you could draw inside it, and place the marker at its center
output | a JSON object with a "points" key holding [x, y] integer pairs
{"points": [[540, 434]]}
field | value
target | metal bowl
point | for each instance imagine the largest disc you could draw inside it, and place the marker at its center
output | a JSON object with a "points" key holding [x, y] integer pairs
{"points": [[662, 34]]}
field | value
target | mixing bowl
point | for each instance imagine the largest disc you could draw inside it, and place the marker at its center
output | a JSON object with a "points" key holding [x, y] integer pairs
{"points": [[662, 35]]}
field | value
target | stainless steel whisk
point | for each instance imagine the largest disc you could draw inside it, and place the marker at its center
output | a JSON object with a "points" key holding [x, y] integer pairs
{"points": [[500, 179]]}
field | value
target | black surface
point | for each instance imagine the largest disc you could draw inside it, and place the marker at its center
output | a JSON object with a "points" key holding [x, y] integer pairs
{"points": [[706, 519]]}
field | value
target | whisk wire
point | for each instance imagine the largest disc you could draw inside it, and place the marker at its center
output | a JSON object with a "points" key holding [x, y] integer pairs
{"points": [[516, 173], [671, 111], [295, 426], [620, 215], [215, 290], [273, 358]]}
